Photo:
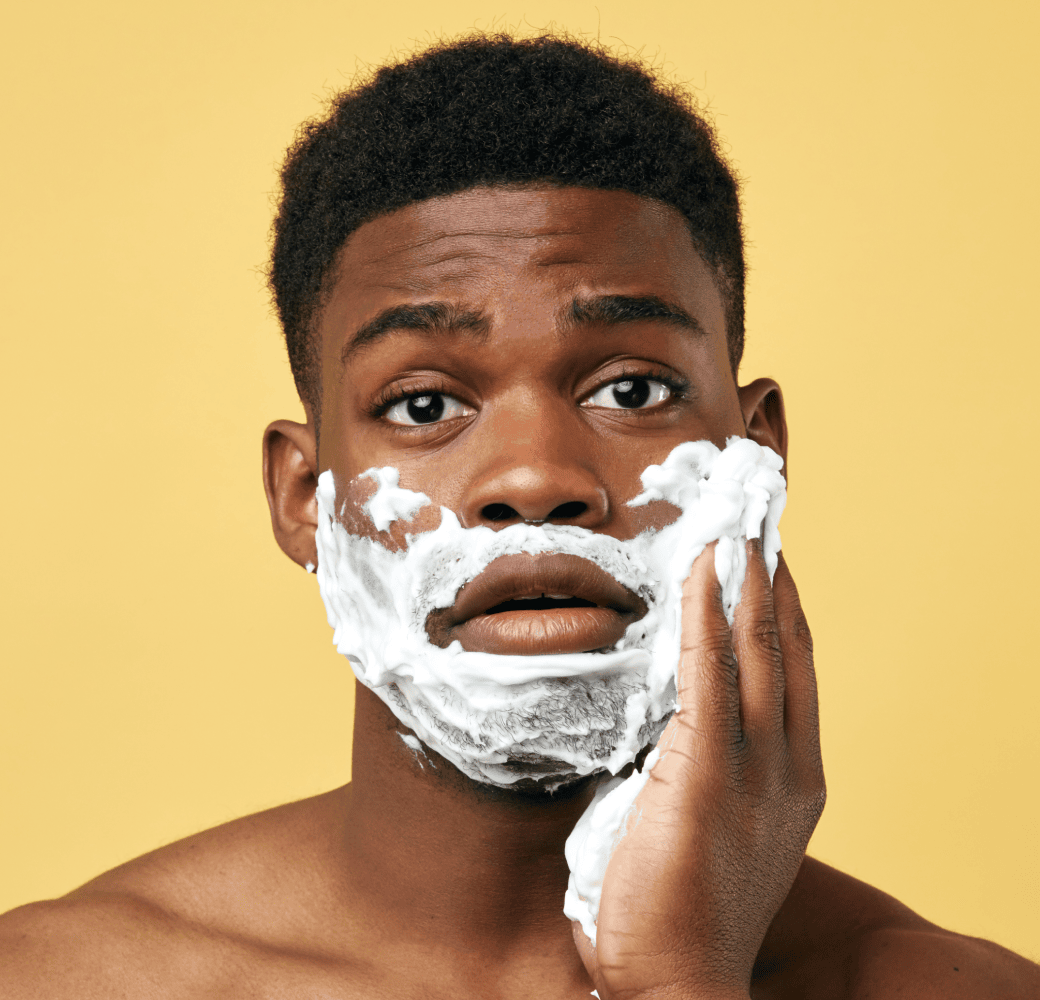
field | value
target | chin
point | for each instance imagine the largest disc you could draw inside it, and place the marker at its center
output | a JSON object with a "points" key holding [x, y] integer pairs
{"points": [[545, 736]]}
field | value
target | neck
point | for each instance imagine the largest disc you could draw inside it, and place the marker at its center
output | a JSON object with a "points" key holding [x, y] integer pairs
{"points": [[434, 849]]}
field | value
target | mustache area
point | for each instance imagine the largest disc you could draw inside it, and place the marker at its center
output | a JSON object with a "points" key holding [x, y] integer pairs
{"points": [[529, 604]]}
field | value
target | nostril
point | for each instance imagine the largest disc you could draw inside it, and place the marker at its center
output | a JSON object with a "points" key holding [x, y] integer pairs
{"points": [[498, 512], [574, 508]]}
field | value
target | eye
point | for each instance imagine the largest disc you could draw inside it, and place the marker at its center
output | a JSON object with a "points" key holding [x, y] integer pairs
{"points": [[429, 408], [630, 394]]}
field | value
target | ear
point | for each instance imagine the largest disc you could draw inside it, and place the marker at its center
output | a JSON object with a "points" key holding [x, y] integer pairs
{"points": [[762, 404], [290, 481]]}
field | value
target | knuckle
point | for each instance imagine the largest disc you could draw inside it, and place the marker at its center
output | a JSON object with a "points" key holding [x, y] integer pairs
{"points": [[798, 631], [715, 652], [815, 802], [726, 659], [741, 753], [766, 637], [710, 641], [810, 786]]}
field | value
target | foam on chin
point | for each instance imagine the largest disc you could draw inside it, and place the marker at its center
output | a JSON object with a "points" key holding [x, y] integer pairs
{"points": [[500, 719]]}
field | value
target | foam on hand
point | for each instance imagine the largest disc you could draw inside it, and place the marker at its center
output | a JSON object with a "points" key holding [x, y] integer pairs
{"points": [[501, 718]]}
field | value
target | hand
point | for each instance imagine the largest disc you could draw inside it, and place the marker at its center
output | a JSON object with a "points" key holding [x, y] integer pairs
{"points": [[717, 835]]}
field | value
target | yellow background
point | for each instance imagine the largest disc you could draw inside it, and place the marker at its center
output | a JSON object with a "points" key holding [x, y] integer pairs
{"points": [[165, 668]]}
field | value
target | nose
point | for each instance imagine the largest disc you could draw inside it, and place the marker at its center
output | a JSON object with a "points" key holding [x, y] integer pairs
{"points": [[537, 472]]}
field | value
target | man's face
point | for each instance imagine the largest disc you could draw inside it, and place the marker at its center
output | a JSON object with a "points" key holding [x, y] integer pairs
{"points": [[524, 354], [517, 355]]}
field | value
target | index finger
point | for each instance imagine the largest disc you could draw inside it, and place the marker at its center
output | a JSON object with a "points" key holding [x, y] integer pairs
{"points": [[707, 680]]}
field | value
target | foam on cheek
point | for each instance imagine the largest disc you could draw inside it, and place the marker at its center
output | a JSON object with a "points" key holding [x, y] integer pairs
{"points": [[390, 502], [554, 715]]}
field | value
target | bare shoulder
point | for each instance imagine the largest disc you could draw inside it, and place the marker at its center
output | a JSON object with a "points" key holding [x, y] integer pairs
{"points": [[223, 877], [97, 946], [183, 920], [836, 936]]}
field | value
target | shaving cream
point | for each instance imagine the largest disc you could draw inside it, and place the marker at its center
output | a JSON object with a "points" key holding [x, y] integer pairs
{"points": [[500, 718]]}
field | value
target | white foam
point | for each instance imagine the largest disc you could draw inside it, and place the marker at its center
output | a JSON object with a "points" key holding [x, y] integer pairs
{"points": [[417, 750], [553, 715], [390, 502], [592, 842]]}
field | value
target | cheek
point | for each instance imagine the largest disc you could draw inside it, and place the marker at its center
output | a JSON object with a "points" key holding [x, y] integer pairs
{"points": [[625, 484], [656, 515], [721, 407], [363, 507], [722, 421]]}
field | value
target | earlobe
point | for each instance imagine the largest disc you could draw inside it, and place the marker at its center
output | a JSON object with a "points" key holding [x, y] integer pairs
{"points": [[290, 480], [762, 404]]}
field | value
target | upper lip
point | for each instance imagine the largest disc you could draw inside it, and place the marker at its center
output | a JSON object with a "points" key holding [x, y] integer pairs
{"points": [[517, 576]]}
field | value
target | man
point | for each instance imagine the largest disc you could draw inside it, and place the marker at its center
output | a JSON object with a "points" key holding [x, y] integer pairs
{"points": [[513, 271]]}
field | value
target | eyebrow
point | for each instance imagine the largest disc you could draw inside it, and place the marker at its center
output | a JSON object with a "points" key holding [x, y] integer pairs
{"points": [[444, 317], [613, 310], [426, 317]]}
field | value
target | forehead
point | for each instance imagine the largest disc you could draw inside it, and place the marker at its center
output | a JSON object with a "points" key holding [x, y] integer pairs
{"points": [[484, 246]]}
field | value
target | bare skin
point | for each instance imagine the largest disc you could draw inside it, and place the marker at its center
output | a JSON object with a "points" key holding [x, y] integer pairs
{"points": [[414, 881]]}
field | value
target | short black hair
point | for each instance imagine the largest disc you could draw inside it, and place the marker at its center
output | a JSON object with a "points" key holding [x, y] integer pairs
{"points": [[494, 110]]}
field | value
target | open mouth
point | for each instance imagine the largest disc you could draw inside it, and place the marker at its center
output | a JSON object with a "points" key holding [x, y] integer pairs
{"points": [[528, 605], [546, 602]]}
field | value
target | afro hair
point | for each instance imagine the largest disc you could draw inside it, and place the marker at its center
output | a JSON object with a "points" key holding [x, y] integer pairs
{"points": [[494, 110]]}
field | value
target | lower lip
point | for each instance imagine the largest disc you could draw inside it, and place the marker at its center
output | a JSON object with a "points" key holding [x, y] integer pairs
{"points": [[531, 633]]}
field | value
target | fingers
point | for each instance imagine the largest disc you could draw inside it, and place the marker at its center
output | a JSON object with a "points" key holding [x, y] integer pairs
{"points": [[707, 680], [801, 705], [748, 693], [756, 639], [758, 678], [732, 679]]}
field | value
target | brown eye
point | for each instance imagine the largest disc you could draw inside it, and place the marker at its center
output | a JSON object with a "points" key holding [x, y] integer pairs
{"points": [[429, 408], [630, 394]]}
